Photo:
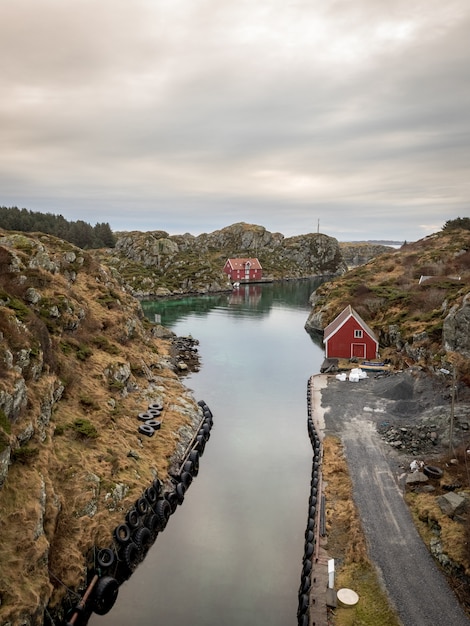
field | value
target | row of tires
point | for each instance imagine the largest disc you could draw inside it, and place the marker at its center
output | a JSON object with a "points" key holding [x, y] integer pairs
{"points": [[149, 419], [303, 610], [144, 520]]}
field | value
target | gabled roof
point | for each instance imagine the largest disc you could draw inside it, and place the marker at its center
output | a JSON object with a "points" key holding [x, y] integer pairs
{"points": [[341, 319], [239, 264]]}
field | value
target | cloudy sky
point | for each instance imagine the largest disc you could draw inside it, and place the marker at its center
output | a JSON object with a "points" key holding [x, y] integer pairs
{"points": [[190, 115]]}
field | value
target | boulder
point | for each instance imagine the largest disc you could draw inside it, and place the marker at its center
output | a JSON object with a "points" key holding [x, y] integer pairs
{"points": [[452, 503]]}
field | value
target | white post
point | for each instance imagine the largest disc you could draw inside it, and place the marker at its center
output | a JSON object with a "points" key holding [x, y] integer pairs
{"points": [[331, 573]]}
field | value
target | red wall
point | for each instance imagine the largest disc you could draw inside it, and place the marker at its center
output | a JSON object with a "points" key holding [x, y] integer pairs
{"points": [[340, 344]]}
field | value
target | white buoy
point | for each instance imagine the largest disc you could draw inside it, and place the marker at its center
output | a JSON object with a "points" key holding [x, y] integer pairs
{"points": [[347, 597]]}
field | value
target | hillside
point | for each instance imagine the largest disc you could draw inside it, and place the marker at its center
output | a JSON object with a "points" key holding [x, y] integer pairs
{"points": [[78, 363], [416, 299], [155, 263]]}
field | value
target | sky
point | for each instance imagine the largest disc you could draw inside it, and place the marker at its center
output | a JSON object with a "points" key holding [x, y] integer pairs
{"points": [[348, 117]]}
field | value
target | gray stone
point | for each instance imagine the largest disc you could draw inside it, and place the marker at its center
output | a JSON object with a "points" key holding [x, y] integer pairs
{"points": [[451, 503], [416, 478]]}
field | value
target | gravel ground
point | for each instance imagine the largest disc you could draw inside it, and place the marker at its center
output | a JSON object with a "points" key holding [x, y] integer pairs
{"points": [[360, 413]]}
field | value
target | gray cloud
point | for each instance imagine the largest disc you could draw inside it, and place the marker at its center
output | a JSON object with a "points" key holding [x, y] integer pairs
{"points": [[188, 116]]}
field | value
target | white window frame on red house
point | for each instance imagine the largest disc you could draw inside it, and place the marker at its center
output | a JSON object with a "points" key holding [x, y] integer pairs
{"points": [[358, 334]]}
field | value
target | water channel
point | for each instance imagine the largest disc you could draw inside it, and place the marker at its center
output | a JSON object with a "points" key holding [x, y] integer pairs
{"points": [[232, 553]]}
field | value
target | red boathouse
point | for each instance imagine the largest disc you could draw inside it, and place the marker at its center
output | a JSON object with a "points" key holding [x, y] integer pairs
{"points": [[348, 336], [243, 270]]}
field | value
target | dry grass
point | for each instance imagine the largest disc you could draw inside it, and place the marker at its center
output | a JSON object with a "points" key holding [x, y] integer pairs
{"points": [[55, 506], [347, 545]]}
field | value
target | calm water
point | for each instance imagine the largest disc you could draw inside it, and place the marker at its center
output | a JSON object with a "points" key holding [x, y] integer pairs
{"points": [[231, 554]]}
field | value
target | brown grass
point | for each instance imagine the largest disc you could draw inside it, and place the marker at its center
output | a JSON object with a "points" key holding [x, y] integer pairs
{"points": [[347, 545]]}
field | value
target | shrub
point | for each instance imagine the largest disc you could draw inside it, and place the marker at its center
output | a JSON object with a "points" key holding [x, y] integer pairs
{"points": [[85, 429], [24, 454]]}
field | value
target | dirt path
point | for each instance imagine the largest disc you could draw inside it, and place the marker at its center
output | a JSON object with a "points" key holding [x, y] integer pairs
{"points": [[416, 587]]}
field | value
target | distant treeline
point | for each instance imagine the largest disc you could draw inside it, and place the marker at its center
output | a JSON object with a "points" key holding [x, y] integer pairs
{"points": [[79, 233], [459, 222]]}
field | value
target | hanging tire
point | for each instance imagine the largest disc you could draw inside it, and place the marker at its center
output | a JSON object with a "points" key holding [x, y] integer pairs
{"points": [[155, 424], [105, 593], [309, 548], [133, 518], [201, 403], [309, 536], [188, 467], [147, 430], [200, 444], [186, 479], [142, 538], [131, 556], [157, 484], [142, 506], [156, 406], [303, 604], [163, 509], [307, 567], [105, 558], [180, 491], [122, 533], [431, 471], [152, 523], [194, 458], [151, 494], [310, 524], [304, 585]]}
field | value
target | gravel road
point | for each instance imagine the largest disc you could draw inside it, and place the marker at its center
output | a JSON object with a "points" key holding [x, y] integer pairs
{"points": [[416, 587]]}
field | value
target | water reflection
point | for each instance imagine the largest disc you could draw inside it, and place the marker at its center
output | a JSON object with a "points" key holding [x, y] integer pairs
{"points": [[231, 554]]}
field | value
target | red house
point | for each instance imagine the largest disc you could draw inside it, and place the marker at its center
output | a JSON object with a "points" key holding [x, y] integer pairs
{"points": [[243, 270], [349, 336]]}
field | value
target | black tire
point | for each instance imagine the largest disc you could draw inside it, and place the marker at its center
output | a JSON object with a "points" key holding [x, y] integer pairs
{"points": [[133, 518], [142, 538], [303, 620], [154, 413], [201, 403], [145, 429], [188, 467], [172, 499], [200, 444], [105, 558], [155, 424], [309, 548], [180, 491], [309, 536], [131, 556], [122, 533], [310, 523], [186, 479], [156, 406], [152, 523], [307, 567], [312, 511], [303, 604], [105, 593], [431, 471], [143, 417], [151, 494], [157, 484], [194, 458], [163, 509], [142, 506], [305, 585]]}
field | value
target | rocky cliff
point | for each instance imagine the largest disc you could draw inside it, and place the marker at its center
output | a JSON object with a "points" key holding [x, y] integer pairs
{"points": [[78, 362], [156, 263]]}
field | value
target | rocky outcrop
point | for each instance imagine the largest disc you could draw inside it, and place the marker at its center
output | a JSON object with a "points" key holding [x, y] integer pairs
{"points": [[361, 252], [456, 329], [155, 263]]}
